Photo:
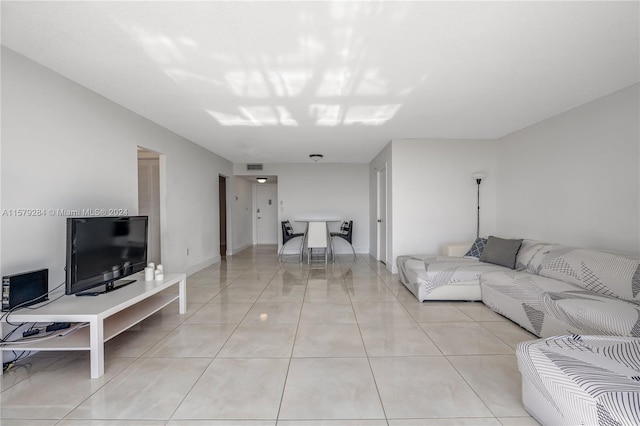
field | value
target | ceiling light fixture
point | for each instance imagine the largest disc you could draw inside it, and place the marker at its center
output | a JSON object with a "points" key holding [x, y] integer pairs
{"points": [[316, 157], [261, 179]]}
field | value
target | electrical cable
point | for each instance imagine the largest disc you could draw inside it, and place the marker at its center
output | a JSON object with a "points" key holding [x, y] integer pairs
{"points": [[5, 316], [51, 335]]}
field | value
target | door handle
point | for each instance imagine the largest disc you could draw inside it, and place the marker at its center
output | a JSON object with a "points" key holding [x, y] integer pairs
{"points": [[379, 220]]}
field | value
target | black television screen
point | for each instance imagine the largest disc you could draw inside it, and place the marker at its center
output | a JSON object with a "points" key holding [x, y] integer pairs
{"points": [[101, 250]]}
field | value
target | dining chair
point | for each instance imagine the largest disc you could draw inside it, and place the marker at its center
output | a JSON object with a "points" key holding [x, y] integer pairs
{"points": [[346, 233], [317, 237], [288, 235]]}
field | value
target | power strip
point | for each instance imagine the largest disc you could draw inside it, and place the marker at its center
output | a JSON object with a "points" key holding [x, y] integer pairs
{"points": [[32, 332], [58, 326]]}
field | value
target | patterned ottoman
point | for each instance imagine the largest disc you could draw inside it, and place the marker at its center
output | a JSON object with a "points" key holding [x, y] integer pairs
{"points": [[581, 380]]}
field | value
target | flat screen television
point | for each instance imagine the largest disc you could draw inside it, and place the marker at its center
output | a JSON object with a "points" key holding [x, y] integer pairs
{"points": [[103, 250]]}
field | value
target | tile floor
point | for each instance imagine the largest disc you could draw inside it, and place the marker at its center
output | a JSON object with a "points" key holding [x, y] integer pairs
{"points": [[266, 344]]}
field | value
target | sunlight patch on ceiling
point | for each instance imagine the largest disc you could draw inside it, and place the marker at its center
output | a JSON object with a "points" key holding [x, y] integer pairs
{"points": [[161, 48], [368, 115], [263, 115]]}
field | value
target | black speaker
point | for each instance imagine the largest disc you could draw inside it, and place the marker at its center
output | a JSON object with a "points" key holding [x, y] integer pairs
{"points": [[25, 289]]}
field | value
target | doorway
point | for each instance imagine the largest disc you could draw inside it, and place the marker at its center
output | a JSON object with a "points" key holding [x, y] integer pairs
{"points": [[149, 200], [266, 213], [382, 214], [222, 203]]}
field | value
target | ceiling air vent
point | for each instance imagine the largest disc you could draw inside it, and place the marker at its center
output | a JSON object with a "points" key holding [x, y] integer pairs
{"points": [[254, 166]]}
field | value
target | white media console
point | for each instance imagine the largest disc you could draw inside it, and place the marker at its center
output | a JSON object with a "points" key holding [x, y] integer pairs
{"points": [[108, 315]]}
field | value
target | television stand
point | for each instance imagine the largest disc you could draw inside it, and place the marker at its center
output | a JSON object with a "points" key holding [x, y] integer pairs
{"points": [[109, 287], [107, 316]]}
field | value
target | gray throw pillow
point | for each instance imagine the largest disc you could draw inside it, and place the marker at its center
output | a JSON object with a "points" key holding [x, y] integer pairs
{"points": [[500, 251]]}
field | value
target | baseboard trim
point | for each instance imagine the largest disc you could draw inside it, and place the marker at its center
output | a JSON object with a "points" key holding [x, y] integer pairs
{"points": [[200, 266], [236, 250]]}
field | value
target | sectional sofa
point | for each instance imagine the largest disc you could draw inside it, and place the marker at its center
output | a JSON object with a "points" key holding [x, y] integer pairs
{"points": [[548, 289]]}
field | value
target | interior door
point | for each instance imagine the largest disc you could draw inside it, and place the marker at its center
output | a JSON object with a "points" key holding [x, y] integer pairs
{"points": [[267, 214], [382, 215]]}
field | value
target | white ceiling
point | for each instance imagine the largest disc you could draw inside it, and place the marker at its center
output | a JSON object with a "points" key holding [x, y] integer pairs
{"points": [[277, 81]]}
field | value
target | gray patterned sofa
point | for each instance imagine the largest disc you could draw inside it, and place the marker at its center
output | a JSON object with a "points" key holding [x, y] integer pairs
{"points": [[581, 380], [557, 290], [552, 289]]}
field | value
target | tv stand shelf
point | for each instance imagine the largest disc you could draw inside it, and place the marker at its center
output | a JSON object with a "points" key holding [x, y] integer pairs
{"points": [[108, 315]]}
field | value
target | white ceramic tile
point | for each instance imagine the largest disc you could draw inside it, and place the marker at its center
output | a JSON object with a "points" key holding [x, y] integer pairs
{"points": [[518, 421], [397, 339], [238, 388], [341, 422], [478, 311], [334, 294], [86, 422], [53, 392], [330, 388], [237, 294], [327, 313], [274, 313], [189, 341], [508, 332], [260, 340], [23, 369], [210, 422], [280, 293], [469, 421], [435, 312], [496, 379], [201, 294], [151, 388], [328, 340], [220, 313], [381, 312], [465, 338], [424, 387]]}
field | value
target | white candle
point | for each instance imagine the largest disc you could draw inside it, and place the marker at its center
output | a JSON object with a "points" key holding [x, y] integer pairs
{"points": [[148, 273]]}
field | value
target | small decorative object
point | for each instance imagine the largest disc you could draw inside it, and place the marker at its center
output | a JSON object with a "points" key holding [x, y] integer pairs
{"points": [[148, 273], [160, 268], [159, 275], [152, 265]]}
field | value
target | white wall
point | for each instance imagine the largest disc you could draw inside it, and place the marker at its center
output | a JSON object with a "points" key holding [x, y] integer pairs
{"points": [[65, 147], [574, 178], [320, 190], [434, 196]]}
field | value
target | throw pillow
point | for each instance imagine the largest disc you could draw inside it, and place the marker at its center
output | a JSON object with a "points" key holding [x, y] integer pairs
{"points": [[500, 251], [476, 248]]}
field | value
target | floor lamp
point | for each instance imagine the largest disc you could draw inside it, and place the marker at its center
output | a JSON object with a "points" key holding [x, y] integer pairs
{"points": [[478, 176]]}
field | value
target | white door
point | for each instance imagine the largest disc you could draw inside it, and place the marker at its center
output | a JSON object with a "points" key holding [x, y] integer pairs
{"points": [[267, 214], [149, 203], [382, 215]]}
